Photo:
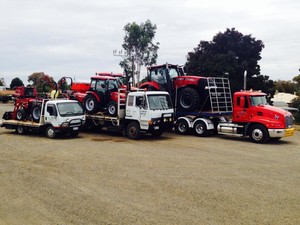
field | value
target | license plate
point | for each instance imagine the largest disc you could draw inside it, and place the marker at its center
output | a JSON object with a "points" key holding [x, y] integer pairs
{"points": [[289, 132], [75, 128], [156, 128]]}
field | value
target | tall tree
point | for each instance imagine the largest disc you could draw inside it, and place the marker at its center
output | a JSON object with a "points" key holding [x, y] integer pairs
{"points": [[38, 80], [139, 46], [16, 82], [229, 53]]}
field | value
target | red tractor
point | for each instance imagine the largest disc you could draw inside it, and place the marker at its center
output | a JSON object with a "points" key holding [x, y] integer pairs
{"points": [[187, 92], [100, 94], [27, 104]]}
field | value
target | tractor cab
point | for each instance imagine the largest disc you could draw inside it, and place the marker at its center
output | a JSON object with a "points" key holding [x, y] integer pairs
{"points": [[103, 94]]}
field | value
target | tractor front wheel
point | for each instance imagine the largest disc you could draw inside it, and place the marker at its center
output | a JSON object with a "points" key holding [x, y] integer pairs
{"points": [[90, 104]]}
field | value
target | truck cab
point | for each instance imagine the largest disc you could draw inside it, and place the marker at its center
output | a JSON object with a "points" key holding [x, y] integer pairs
{"points": [[148, 111], [253, 117]]}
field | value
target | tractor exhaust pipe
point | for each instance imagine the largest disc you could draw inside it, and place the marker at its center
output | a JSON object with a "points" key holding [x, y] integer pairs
{"points": [[245, 80]]}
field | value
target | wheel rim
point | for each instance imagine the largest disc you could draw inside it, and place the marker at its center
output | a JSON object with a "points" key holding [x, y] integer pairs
{"points": [[132, 131], [182, 127], [112, 109], [257, 134], [20, 130], [19, 115], [50, 132], [199, 128], [185, 101], [36, 113], [90, 104]]}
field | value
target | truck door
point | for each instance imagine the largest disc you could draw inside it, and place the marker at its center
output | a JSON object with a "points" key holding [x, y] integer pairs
{"points": [[241, 112], [51, 114]]}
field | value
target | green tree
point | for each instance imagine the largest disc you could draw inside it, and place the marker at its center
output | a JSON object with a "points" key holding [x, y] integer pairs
{"points": [[228, 53], [139, 47], [38, 80], [16, 82], [286, 86], [296, 79]]}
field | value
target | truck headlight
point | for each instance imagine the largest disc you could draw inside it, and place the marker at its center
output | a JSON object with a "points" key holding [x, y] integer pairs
{"points": [[64, 125]]}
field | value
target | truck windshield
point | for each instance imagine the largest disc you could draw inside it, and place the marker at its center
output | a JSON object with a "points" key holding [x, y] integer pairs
{"points": [[69, 109], [159, 102], [258, 100]]}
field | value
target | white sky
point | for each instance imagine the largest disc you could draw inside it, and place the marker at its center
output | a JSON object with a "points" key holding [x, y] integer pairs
{"points": [[76, 38]]}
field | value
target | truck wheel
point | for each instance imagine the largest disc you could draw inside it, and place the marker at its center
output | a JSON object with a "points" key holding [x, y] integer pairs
{"points": [[20, 114], [112, 108], [90, 104], [50, 132], [20, 130], [258, 134], [133, 130], [200, 129], [181, 127], [36, 113], [188, 99]]}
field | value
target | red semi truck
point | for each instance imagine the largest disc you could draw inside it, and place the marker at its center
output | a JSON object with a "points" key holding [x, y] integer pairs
{"points": [[247, 115], [204, 105]]}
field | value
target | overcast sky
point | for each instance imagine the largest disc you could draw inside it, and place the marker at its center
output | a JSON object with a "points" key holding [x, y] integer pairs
{"points": [[77, 37]]}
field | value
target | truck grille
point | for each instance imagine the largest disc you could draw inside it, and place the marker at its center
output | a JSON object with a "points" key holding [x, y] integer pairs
{"points": [[289, 121], [75, 123]]}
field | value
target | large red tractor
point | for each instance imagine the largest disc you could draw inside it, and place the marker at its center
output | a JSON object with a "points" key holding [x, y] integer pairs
{"points": [[187, 92], [100, 94]]}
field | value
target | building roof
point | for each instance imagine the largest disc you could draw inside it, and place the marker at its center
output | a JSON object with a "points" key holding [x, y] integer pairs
{"points": [[283, 97]]}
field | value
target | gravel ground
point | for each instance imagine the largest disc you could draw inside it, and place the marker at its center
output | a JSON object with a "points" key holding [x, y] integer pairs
{"points": [[108, 179]]}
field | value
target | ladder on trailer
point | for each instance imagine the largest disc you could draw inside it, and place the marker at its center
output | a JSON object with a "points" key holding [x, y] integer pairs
{"points": [[219, 94]]}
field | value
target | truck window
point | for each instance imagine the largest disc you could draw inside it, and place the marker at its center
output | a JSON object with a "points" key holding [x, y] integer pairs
{"points": [[51, 110], [130, 101]]}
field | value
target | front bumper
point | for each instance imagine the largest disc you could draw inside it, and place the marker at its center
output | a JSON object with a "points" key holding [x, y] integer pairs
{"points": [[278, 133]]}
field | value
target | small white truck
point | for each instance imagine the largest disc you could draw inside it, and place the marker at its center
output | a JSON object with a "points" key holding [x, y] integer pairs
{"points": [[142, 112], [56, 117]]}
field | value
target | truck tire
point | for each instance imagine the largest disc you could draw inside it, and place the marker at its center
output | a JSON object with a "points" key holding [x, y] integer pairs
{"points": [[182, 127], [90, 104], [133, 130], [258, 134], [188, 99], [50, 132], [20, 130], [112, 108], [20, 114], [200, 129], [36, 113]]}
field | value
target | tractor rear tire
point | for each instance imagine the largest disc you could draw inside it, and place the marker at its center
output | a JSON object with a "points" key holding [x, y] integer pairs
{"points": [[188, 99], [90, 104], [20, 114], [36, 113]]}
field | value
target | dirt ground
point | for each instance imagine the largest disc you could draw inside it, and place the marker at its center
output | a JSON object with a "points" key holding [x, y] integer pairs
{"points": [[108, 179]]}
